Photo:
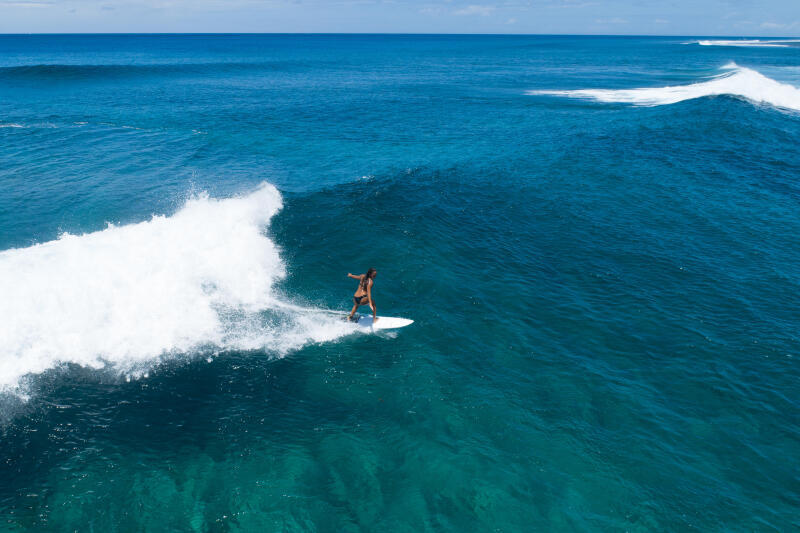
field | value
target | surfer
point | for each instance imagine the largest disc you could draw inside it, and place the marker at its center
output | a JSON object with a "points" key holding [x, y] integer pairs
{"points": [[363, 294]]}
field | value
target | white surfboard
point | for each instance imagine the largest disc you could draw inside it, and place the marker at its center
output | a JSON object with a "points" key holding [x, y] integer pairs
{"points": [[384, 322]]}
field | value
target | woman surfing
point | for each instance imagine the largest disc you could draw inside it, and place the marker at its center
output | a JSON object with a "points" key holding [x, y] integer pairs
{"points": [[363, 294]]}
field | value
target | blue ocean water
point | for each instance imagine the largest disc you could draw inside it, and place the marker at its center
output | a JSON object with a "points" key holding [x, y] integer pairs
{"points": [[597, 238]]}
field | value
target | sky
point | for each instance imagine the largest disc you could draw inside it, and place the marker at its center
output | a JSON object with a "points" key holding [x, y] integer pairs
{"points": [[619, 17]]}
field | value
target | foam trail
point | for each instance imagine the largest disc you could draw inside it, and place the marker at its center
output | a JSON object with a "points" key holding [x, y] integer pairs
{"points": [[127, 297], [736, 81]]}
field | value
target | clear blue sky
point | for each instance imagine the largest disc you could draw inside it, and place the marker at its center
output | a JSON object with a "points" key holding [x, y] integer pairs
{"points": [[659, 17]]}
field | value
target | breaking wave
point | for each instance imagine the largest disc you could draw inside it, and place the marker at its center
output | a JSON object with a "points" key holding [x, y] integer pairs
{"points": [[734, 81], [751, 43], [128, 297]]}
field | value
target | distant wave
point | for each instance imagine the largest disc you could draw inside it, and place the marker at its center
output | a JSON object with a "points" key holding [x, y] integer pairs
{"points": [[754, 43], [128, 297], [735, 81], [81, 72]]}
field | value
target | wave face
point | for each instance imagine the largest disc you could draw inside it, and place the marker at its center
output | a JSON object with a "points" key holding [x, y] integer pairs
{"points": [[127, 297], [735, 81], [86, 72]]}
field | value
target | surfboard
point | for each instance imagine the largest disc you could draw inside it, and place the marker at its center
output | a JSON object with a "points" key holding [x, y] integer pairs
{"points": [[384, 322]]}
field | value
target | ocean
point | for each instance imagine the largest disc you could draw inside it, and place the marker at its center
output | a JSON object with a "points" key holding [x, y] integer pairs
{"points": [[598, 240]]}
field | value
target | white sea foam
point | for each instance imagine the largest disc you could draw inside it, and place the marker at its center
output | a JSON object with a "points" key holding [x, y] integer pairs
{"points": [[735, 81], [754, 43], [42, 125], [128, 297]]}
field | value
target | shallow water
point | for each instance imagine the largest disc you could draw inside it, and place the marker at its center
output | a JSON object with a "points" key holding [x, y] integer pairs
{"points": [[604, 288]]}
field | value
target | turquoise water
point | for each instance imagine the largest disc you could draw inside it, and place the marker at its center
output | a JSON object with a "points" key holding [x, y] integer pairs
{"points": [[603, 280]]}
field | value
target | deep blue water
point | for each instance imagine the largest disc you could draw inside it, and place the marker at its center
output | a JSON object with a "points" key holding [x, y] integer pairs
{"points": [[604, 285]]}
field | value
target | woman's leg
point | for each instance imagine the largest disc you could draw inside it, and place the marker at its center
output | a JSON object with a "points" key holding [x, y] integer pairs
{"points": [[373, 307], [353, 311]]}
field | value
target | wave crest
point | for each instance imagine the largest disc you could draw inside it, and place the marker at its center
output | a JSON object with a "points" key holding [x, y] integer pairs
{"points": [[750, 43], [735, 81], [129, 296]]}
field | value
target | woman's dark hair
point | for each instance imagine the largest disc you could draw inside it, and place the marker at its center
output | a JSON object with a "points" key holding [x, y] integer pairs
{"points": [[364, 282]]}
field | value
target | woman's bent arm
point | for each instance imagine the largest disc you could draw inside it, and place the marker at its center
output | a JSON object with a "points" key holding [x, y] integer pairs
{"points": [[371, 303]]}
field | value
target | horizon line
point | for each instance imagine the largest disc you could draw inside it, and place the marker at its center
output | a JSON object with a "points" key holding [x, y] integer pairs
{"points": [[487, 34]]}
